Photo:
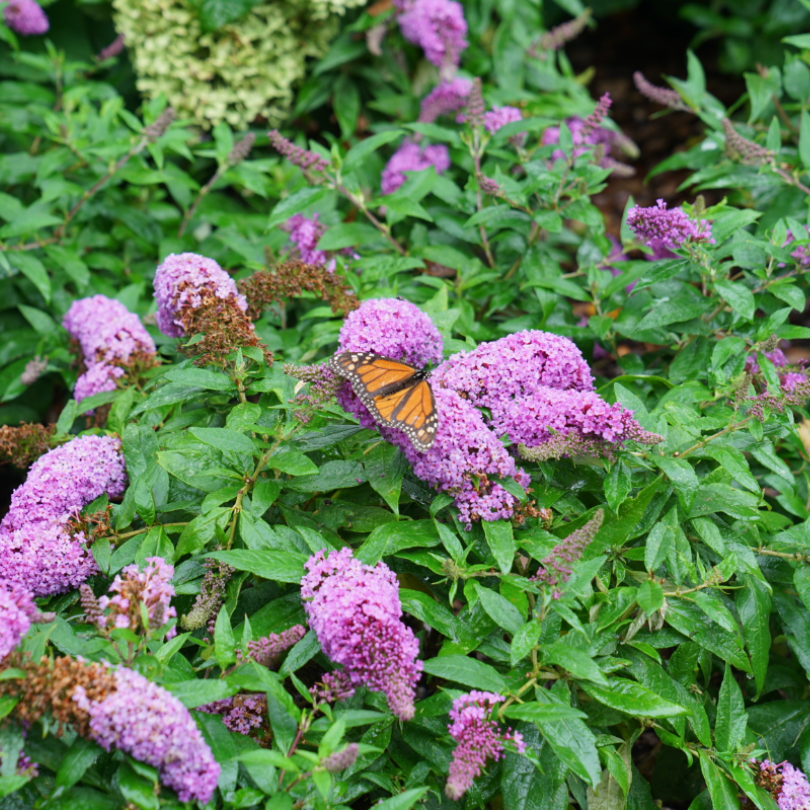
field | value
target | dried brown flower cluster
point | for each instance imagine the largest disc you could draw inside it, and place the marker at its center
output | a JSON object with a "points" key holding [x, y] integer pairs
{"points": [[291, 280], [23, 444], [48, 687], [223, 326]]}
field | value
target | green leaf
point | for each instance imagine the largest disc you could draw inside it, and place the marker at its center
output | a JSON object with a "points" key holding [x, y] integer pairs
{"points": [[385, 467], [660, 540], [467, 671], [723, 792], [731, 723], [577, 662], [33, 269], [391, 538], [275, 565], [501, 541], [402, 801], [78, 758], [291, 461], [633, 699], [225, 440], [296, 202], [499, 609], [201, 378], [753, 602], [224, 641], [650, 596], [682, 475], [214, 14], [331, 476], [356, 156], [543, 712], [428, 610], [198, 692], [524, 641], [618, 485], [349, 234]]}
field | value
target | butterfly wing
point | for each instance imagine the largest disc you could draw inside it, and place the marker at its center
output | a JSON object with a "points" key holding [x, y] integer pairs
{"points": [[394, 393], [413, 411]]}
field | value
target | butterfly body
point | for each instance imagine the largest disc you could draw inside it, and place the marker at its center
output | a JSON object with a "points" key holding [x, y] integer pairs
{"points": [[396, 394]]}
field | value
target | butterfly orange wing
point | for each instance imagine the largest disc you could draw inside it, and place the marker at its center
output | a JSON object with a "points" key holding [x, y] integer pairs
{"points": [[411, 409]]}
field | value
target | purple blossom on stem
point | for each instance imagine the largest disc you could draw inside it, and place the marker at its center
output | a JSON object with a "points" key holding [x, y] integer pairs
{"points": [[585, 137], [179, 281], [210, 598], [438, 27], [241, 714], [26, 17], [304, 234], [355, 611], [33, 370], [777, 357], [36, 551], [340, 760], [334, 686], [788, 785], [665, 229], [446, 98], [499, 117], [410, 157], [266, 650], [17, 613], [479, 739], [151, 725], [594, 121], [296, 155], [555, 38], [134, 590], [660, 95], [110, 336], [555, 569]]}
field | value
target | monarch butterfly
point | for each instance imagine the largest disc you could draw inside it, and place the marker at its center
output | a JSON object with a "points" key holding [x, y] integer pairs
{"points": [[397, 395]]}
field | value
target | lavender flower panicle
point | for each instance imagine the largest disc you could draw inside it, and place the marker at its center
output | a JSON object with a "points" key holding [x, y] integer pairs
{"points": [[446, 98], [665, 229], [179, 283], [153, 726], [26, 17], [439, 28], [777, 357], [479, 739], [355, 611], [159, 126], [334, 687], [211, 597], [240, 714], [112, 50], [36, 551], [750, 153], [33, 370], [605, 140], [594, 120], [340, 760], [555, 38], [110, 336], [135, 589], [556, 567], [499, 117], [17, 613], [309, 161], [304, 234], [266, 650], [241, 149], [410, 157], [788, 785], [660, 95], [474, 112]]}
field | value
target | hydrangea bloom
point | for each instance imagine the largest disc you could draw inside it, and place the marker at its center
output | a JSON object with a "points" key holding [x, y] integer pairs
{"points": [[665, 229], [478, 738], [355, 611], [26, 17], [36, 552], [444, 99], [499, 117], [152, 725], [109, 336], [410, 157], [134, 590], [436, 26], [179, 283], [17, 613]]}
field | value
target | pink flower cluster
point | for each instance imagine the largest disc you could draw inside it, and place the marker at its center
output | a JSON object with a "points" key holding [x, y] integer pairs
{"points": [[149, 723], [136, 590], [26, 17], [17, 613], [36, 550], [304, 234], [410, 157], [110, 336], [438, 27], [179, 282], [355, 611], [794, 789], [665, 230], [527, 383], [479, 739]]}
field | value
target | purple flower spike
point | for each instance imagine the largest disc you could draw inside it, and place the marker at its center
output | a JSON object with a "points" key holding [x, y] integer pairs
{"points": [[153, 726], [304, 234], [499, 117], [444, 99], [355, 611], [410, 157], [479, 739], [17, 613], [436, 26], [179, 282], [666, 230], [26, 17]]}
